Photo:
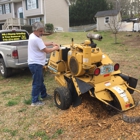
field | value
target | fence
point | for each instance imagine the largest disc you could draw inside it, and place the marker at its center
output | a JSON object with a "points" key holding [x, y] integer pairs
{"points": [[82, 28]]}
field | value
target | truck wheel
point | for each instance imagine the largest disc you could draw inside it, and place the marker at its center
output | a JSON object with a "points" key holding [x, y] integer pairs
{"points": [[5, 72], [62, 98]]}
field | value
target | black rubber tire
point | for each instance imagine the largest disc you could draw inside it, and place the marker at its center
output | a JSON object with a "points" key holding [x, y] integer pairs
{"points": [[5, 72], [114, 103], [107, 107], [62, 98]]}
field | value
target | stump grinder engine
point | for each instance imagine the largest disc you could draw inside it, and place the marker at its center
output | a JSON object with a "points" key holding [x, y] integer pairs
{"points": [[85, 69]]}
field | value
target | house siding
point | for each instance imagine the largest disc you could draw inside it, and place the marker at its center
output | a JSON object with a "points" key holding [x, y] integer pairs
{"points": [[57, 13], [33, 12], [3, 17]]}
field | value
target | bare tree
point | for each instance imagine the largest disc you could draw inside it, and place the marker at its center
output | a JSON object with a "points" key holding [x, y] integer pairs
{"points": [[114, 25], [124, 6], [135, 7]]}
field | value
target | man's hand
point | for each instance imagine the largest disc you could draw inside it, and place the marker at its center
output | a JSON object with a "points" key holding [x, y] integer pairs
{"points": [[56, 47]]}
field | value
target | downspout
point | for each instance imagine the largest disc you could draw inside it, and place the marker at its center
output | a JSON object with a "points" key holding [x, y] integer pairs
{"points": [[24, 8], [12, 7], [44, 10], [68, 2]]}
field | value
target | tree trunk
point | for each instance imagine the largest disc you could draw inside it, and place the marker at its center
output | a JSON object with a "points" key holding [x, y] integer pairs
{"points": [[115, 38]]}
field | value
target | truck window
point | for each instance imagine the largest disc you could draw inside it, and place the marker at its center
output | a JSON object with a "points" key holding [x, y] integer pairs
{"points": [[13, 35]]}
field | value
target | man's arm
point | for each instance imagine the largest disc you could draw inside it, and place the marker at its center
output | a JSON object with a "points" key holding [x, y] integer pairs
{"points": [[49, 50], [48, 44]]}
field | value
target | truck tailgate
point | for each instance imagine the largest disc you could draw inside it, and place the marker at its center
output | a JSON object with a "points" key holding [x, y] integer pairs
{"points": [[22, 53], [22, 48]]}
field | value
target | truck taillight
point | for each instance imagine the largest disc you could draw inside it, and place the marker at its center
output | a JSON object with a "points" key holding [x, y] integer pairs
{"points": [[15, 54], [116, 67], [13, 31], [96, 71]]}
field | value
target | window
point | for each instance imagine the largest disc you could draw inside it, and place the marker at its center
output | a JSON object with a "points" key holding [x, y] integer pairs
{"points": [[31, 4], [106, 19], [7, 8], [37, 19]]}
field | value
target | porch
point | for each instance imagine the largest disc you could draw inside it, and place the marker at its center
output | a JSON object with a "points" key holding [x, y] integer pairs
{"points": [[14, 23]]}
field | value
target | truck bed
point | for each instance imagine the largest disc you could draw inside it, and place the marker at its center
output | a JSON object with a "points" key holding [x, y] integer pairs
{"points": [[21, 46]]}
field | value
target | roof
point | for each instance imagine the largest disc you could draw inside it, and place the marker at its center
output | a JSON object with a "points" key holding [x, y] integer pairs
{"points": [[106, 13]]}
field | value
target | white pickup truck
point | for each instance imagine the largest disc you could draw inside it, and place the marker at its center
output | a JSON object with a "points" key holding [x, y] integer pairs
{"points": [[13, 50]]}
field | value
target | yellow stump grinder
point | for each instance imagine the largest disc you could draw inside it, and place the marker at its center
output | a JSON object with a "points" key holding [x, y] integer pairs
{"points": [[85, 69]]}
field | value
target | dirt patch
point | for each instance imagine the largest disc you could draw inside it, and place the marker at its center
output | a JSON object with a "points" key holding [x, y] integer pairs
{"points": [[133, 41]]}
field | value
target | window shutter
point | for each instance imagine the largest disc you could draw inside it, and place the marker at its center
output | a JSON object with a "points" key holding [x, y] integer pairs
{"points": [[30, 21], [10, 7], [36, 3], [3, 9], [26, 4]]}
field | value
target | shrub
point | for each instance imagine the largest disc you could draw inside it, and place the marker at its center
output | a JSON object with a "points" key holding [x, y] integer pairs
{"points": [[28, 28], [49, 27]]}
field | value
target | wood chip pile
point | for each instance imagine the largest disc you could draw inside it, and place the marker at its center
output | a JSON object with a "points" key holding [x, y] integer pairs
{"points": [[90, 121]]}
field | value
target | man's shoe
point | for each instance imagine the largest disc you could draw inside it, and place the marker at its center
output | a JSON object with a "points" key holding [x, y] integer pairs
{"points": [[47, 97], [39, 103]]}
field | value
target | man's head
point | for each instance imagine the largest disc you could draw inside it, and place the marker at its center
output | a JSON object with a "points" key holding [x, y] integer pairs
{"points": [[38, 28]]}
